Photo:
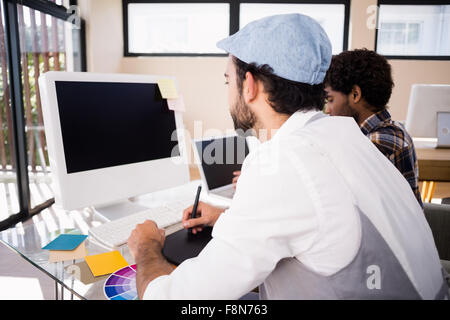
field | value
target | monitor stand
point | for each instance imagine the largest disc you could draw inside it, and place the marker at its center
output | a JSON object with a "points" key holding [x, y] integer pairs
{"points": [[118, 210]]}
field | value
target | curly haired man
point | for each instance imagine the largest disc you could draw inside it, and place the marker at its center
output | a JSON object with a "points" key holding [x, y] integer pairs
{"points": [[359, 84]]}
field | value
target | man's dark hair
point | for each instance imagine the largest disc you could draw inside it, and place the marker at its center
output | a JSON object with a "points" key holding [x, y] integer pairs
{"points": [[366, 69], [285, 96]]}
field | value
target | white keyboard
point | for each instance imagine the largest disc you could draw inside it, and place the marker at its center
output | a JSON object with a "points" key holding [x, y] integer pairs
{"points": [[116, 233]]}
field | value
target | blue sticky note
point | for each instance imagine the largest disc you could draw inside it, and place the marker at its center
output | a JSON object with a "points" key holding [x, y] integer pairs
{"points": [[66, 242]]}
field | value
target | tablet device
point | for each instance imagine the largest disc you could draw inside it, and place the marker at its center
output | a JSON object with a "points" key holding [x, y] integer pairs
{"points": [[182, 245]]}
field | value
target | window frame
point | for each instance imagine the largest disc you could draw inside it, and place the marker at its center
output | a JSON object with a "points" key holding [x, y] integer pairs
{"points": [[13, 52], [409, 3], [234, 22]]}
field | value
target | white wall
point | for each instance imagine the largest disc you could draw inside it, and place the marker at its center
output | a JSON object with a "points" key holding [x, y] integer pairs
{"points": [[104, 35]]}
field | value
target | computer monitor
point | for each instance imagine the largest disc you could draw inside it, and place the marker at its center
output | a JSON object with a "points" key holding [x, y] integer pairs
{"points": [[426, 100], [110, 137]]}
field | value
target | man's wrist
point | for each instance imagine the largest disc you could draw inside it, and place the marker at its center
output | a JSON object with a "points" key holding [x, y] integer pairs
{"points": [[151, 250], [151, 264]]}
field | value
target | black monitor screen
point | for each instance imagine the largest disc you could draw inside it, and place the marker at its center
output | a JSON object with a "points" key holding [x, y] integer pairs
{"points": [[220, 158], [106, 124]]}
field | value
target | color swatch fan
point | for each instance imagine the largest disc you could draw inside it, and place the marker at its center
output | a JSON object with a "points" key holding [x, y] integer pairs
{"points": [[121, 285]]}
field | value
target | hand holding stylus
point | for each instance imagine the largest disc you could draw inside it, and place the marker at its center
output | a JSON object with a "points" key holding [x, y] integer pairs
{"points": [[207, 215]]}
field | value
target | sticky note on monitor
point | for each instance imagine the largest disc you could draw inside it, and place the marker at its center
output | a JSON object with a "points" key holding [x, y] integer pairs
{"points": [[176, 104], [167, 88], [64, 255], [66, 242], [105, 263]]}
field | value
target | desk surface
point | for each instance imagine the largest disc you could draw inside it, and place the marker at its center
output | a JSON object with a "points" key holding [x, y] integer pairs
{"points": [[433, 154], [27, 240], [434, 164]]}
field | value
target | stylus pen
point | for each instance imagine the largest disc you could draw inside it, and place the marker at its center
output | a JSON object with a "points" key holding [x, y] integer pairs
{"points": [[194, 209]]}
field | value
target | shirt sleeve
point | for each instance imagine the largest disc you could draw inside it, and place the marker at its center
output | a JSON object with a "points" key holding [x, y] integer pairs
{"points": [[262, 226]]}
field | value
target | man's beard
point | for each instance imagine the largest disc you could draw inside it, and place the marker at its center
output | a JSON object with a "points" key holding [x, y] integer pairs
{"points": [[243, 118], [347, 111]]}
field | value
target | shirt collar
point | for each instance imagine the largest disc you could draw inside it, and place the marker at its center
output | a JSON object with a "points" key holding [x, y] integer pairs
{"points": [[374, 121], [296, 121]]}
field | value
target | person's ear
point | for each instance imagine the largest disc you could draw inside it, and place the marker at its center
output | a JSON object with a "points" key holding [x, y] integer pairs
{"points": [[250, 88], [356, 94]]}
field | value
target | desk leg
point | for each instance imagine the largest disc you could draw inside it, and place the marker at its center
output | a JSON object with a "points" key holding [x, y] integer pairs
{"points": [[428, 188], [56, 282], [62, 277], [424, 190], [431, 189], [56, 290], [73, 282], [59, 296]]}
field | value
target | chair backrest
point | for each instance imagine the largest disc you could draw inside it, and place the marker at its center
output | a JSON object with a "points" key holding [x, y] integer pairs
{"points": [[438, 217]]}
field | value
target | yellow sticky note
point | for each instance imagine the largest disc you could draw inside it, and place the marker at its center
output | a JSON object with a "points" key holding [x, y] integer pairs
{"points": [[105, 263], [167, 88]]}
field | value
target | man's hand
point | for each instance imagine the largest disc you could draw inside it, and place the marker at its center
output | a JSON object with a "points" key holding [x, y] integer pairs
{"points": [[145, 244], [236, 174], [146, 236], [207, 215]]}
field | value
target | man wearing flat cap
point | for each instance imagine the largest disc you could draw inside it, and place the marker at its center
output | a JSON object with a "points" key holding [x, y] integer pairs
{"points": [[318, 213]]}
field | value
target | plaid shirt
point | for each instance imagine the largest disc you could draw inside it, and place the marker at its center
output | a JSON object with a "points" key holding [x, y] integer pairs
{"points": [[391, 138]]}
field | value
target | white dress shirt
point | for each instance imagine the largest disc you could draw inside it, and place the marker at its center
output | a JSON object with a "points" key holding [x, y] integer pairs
{"points": [[297, 197]]}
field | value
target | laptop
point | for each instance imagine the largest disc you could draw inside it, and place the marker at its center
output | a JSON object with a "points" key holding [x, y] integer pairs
{"points": [[217, 159], [443, 129]]}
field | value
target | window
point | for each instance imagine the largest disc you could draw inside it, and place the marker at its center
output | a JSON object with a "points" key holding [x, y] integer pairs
{"points": [[9, 203], [414, 31], [46, 44], [177, 27], [330, 16], [35, 37], [194, 27], [399, 38]]}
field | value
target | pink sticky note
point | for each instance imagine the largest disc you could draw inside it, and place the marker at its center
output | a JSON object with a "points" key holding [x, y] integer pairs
{"points": [[176, 104]]}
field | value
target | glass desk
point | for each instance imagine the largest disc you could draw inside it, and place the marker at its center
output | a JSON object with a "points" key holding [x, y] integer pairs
{"points": [[73, 279]]}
